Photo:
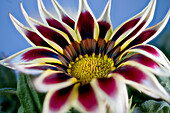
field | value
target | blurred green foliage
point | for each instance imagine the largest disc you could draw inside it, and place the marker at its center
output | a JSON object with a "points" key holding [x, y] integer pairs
{"points": [[9, 102]]}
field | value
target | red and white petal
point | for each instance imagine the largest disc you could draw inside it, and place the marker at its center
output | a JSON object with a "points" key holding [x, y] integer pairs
{"points": [[34, 69], [53, 80], [104, 22], [32, 55], [140, 28], [131, 28], [113, 92], [86, 25], [50, 20], [60, 101], [87, 100], [142, 80], [145, 62], [150, 33], [151, 52], [28, 34], [54, 37], [63, 15]]}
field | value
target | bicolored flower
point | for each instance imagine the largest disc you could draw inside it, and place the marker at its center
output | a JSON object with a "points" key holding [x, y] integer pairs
{"points": [[84, 64]]}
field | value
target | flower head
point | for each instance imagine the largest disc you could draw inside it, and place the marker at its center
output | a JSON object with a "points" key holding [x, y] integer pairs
{"points": [[84, 64]]}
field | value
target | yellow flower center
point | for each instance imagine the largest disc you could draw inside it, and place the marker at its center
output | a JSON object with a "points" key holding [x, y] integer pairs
{"points": [[87, 68]]}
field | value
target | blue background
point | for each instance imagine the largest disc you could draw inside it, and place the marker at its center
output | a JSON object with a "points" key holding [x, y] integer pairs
{"points": [[11, 41]]}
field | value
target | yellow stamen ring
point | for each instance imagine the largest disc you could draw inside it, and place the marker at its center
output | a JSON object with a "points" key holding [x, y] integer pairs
{"points": [[88, 67]]}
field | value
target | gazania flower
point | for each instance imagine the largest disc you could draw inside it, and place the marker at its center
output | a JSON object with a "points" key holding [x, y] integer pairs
{"points": [[84, 64]]}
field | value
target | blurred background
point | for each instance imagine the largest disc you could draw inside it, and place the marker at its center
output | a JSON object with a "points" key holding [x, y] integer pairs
{"points": [[11, 41]]}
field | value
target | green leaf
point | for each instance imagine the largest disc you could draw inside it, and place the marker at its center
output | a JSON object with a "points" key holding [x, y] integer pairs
{"points": [[73, 110], [7, 78], [34, 93], [165, 82], [27, 95], [130, 104], [9, 102], [21, 110], [152, 106], [7, 91]]}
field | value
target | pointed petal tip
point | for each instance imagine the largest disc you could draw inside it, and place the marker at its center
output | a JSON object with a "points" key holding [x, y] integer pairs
{"points": [[83, 5], [21, 4], [41, 5], [168, 12], [58, 8], [106, 13], [11, 17], [9, 13]]}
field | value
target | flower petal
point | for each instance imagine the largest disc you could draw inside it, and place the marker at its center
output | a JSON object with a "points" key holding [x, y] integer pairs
{"points": [[53, 80], [63, 15], [112, 92], [32, 55], [142, 80], [150, 33], [34, 69], [105, 24], [60, 101], [151, 52], [86, 18], [54, 37], [28, 34], [148, 63], [105, 28], [53, 22], [87, 101], [127, 31]]}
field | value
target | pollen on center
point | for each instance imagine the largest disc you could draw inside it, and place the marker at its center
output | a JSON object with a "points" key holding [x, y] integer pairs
{"points": [[89, 67]]}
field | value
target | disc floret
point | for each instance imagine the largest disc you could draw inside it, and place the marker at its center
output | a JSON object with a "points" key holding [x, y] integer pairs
{"points": [[89, 67]]}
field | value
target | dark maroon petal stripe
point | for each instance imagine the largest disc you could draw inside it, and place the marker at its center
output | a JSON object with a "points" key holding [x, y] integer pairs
{"points": [[56, 78], [88, 46], [125, 39], [36, 39], [59, 98], [87, 97], [104, 27], [148, 49], [131, 73], [133, 33], [56, 24], [142, 60], [71, 51], [77, 48], [68, 21], [38, 53], [53, 36], [109, 46], [42, 67], [100, 46], [59, 67], [125, 28], [85, 25], [114, 52], [108, 85], [139, 40], [142, 38]]}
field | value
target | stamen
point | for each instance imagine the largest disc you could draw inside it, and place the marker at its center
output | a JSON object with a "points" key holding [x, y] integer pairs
{"points": [[87, 67]]}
